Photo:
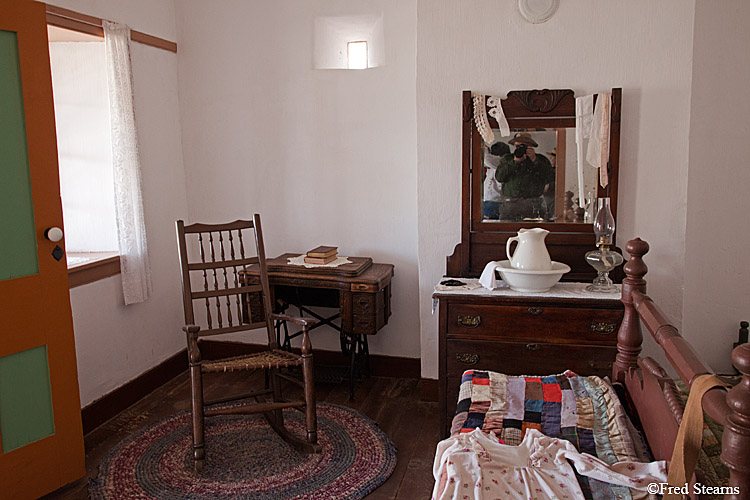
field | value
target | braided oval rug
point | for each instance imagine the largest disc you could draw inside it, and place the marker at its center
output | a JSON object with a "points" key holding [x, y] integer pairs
{"points": [[245, 458]]}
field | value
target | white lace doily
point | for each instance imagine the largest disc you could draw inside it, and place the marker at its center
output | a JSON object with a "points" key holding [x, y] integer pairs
{"points": [[560, 290], [300, 261], [495, 111], [480, 118]]}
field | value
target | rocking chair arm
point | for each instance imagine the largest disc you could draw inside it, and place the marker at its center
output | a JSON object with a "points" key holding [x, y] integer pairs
{"points": [[304, 322], [194, 353], [192, 329]]}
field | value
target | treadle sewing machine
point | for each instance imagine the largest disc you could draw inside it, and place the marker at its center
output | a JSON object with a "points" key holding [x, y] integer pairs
{"points": [[360, 292]]}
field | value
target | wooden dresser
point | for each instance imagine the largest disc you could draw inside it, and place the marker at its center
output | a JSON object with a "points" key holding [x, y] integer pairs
{"points": [[522, 334]]}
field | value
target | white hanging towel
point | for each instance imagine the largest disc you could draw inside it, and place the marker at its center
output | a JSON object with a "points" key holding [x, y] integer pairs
{"points": [[598, 150], [488, 278], [496, 112], [584, 119]]}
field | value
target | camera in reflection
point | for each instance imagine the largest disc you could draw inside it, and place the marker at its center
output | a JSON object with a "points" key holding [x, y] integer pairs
{"points": [[520, 151]]}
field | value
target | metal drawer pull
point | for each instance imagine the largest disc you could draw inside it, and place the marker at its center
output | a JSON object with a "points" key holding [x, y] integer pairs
{"points": [[536, 311], [467, 358], [600, 327], [533, 347], [470, 321]]}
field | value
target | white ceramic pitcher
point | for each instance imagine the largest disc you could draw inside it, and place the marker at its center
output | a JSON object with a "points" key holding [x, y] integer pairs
{"points": [[531, 253]]}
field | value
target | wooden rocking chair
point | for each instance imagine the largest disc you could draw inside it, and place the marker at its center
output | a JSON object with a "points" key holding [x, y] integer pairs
{"points": [[212, 260]]}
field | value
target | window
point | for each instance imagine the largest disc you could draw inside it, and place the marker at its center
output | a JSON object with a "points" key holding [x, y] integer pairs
{"points": [[79, 81], [356, 55], [349, 42]]}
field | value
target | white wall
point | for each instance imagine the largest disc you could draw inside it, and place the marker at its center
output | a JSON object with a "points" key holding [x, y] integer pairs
{"points": [[717, 273], [115, 343], [642, 46], [327, 157]]}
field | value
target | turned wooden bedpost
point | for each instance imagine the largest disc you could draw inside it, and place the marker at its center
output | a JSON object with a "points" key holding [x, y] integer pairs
{"points": [[629, 337], [735, 449]]}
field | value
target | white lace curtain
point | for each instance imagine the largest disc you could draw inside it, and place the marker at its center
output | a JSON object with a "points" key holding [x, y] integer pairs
{"points": [[131, 228]]}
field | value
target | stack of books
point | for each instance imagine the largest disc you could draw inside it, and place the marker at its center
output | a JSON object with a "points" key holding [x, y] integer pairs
{"points": [[321, 255]]}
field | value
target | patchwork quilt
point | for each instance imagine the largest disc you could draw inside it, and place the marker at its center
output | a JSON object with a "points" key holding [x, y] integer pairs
{"points": [[583, 410]]}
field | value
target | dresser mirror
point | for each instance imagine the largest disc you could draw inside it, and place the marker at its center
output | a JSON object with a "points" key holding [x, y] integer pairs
{"points": [[529, 176], [549, 192]]}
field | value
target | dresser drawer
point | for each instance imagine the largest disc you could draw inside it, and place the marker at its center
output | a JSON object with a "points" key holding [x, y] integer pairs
{"points": [[558, 324], [527, 358]]}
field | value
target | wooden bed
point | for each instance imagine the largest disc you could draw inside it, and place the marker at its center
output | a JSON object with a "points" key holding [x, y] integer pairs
{"points": [[655, 395]]}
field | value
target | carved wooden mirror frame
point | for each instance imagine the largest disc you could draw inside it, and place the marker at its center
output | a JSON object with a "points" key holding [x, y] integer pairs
{"points": [[567, 242]]}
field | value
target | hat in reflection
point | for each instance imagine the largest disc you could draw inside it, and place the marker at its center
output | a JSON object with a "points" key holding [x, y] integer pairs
{"points": [[523, 138]]}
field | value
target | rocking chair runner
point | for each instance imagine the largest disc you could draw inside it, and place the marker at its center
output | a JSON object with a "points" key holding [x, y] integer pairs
{"points": [[212, 256]]}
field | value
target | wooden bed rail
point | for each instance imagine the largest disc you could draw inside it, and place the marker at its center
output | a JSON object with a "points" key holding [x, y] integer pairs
{"points": [[680, 354], [653, 392]]}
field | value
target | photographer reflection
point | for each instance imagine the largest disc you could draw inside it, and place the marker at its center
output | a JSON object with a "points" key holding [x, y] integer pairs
{"points": [[492, 189], [524, 175]]}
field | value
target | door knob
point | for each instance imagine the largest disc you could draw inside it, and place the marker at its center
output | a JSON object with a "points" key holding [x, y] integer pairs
{"points": [[53, 234]]}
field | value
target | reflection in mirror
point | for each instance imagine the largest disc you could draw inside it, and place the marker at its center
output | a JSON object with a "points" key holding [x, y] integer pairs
{"points": [[532, 176]]}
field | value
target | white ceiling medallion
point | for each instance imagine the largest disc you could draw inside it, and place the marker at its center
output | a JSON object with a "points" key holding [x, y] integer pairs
{"points": [[538, 11]]}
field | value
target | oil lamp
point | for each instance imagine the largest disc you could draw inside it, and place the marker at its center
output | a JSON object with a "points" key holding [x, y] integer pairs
{"points": [[604, 258]]}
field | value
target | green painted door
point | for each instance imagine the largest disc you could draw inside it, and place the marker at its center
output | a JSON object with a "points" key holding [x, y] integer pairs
{"points": [[41, 442]]}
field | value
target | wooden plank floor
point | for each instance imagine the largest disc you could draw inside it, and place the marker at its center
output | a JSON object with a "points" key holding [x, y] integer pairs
{"points": [[392, 402]]}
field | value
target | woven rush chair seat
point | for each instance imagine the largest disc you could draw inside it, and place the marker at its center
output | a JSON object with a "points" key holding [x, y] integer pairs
{"points": [[217, 300], [256, 361]]}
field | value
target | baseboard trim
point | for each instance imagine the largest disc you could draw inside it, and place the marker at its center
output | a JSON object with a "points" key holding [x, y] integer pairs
{"points": [[380, 365], [428, 389], [126, 395]]}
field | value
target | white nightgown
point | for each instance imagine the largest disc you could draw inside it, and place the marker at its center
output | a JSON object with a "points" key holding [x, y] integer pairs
{"points": [[480, 468]]}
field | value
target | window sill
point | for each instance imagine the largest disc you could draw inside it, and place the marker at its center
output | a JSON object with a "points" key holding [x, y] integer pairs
{"points": [[87, 267]]}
